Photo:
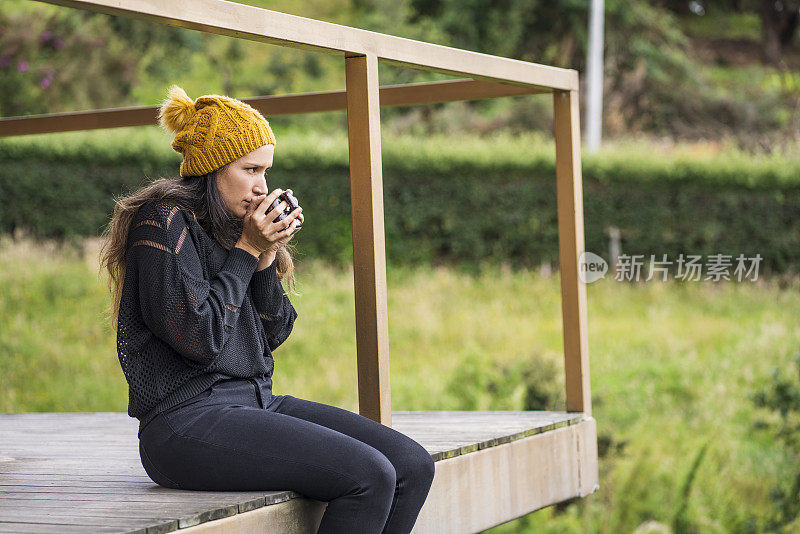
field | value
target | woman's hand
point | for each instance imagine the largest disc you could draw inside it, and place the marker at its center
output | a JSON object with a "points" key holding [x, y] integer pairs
{"points": [[260, 232]]}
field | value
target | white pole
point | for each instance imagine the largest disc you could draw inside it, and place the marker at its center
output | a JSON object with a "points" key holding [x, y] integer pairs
{"points": [[594, 115]]}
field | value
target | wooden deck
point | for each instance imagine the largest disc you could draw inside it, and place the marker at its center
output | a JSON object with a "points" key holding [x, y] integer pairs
{"points": [[81, 472]]}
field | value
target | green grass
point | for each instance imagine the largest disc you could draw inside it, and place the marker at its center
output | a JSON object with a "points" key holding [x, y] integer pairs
{"points": [[671, 367]]}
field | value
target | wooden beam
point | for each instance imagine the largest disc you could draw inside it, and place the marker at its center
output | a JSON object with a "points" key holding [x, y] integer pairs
{"points": [[78, 120], [449, 91], [369, 255], [273, 27], [390, 95], [570, 246]]}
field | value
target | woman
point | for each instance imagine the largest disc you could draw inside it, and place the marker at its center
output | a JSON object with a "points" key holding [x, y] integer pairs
{"points": [[196, 265]]}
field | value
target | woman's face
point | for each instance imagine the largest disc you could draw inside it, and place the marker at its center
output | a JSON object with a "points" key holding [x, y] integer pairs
{"points": [[243, 179]]}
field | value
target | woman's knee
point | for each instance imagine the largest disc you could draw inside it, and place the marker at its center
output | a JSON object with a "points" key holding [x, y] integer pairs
{"points": [[378, 476], [417, 468], [423, 467]]}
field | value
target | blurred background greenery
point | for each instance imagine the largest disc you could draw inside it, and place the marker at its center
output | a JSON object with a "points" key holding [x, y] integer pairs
{"points": [[675, 69], [695, 385]]}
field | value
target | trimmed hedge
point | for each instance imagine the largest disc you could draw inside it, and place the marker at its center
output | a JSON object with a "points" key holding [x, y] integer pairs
{"points": [[445, 200]]}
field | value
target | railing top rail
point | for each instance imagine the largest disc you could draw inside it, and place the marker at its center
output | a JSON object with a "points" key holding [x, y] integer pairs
{"points": [[273, 27]]}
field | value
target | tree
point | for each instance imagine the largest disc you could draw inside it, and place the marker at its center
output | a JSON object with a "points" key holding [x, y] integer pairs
{"points": [[779, 20], [68, 59]]}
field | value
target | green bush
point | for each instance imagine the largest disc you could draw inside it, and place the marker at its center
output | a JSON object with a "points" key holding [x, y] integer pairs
{"points": [[446, 199]]}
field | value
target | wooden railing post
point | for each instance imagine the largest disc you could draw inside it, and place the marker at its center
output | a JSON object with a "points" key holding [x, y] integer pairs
{"points": [[369, 255], [570, 247]]}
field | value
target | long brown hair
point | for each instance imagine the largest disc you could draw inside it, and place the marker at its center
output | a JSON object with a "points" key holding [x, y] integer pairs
{"points": [[198, 194]]}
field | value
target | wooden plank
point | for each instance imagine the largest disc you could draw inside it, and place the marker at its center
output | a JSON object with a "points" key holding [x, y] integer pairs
{"points": [[108, 487], [163, 514], [39, 528], [190, 514], [89, 522], [158, 495], [369, 255], [296, 517], [151, 488], [273, 27], [78, 482], [588, 468], [390, 95], [165, 509], [520, 477], [569, 187], [53, 468], [498, 417], [74, 480], [101, 517]]}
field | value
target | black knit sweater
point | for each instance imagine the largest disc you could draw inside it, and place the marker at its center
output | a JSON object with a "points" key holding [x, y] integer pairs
{"points": [[192, 312]]}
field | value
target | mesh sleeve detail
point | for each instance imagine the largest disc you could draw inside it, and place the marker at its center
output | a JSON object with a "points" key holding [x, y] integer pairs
{"points": [[272, 305], [149, 243], [196, 317]]}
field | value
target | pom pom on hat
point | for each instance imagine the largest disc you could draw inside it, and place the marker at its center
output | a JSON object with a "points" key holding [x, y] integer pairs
{"points": [[176, 111]]}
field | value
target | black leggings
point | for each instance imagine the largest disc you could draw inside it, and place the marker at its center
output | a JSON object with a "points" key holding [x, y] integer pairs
{"points": [[374, 478]]}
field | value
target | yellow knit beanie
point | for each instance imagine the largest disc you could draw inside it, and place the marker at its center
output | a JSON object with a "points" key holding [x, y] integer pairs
{"points": [[213, 130]]}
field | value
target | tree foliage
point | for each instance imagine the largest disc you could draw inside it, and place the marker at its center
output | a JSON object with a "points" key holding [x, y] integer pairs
{"points": [[59, 59]]}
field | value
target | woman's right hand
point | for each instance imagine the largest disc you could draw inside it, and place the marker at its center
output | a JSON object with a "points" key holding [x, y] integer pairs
{"points": [[259, 232]]}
